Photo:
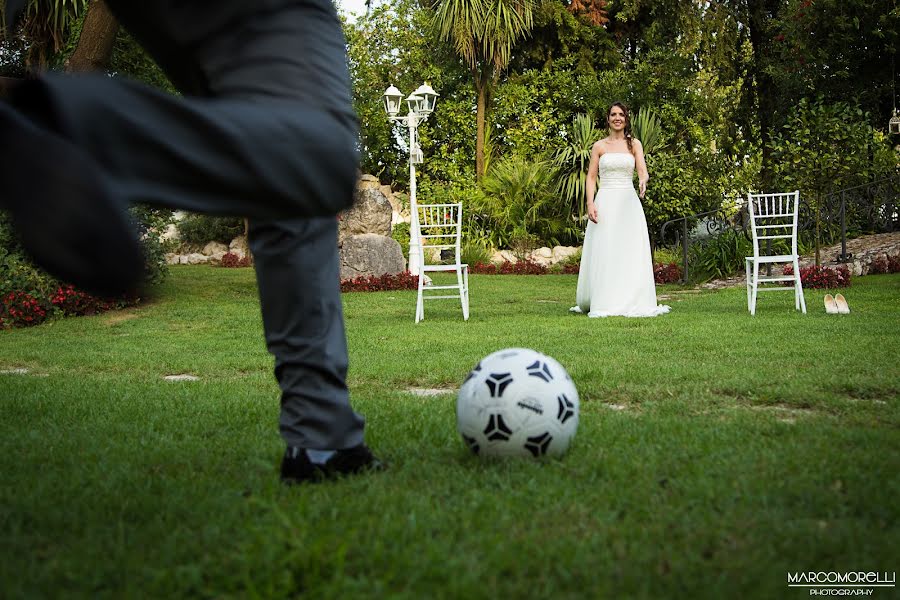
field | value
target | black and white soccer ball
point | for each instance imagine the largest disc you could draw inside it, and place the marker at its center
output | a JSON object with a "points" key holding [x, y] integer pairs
{"points": [[517, 402]]}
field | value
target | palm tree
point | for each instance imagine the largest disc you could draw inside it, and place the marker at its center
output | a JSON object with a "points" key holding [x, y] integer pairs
{"points": [[572, 162], [483, 33]]}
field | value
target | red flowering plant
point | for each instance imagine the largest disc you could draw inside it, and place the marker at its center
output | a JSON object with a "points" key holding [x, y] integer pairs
{"points": [[666, 273], [894, 263], [20, 309], [74, 302], [884, 264], [570, 268], [522, 267], [817, 276], [381, 283], [231, 260]]}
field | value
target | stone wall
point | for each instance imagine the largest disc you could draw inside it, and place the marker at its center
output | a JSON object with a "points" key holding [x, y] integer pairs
{"points": [[364, 240], [865, 250]]}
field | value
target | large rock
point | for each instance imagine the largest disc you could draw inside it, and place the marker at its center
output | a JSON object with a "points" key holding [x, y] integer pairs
{"points": [[370, 254], [214, 248], [371, 213], [561, 253], [542, 256], [239, 246]]}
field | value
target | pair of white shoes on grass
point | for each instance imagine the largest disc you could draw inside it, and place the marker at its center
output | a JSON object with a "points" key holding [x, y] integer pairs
{"points": [[836, 305]]}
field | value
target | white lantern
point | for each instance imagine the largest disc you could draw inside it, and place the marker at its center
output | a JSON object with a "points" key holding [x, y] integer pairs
{"points": [[894, 124], [428, 96], [392, 99], [413, 102]]}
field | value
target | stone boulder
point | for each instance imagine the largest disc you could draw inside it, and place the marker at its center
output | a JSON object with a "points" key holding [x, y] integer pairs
{"points": [[542, 256], [370, 254], [399, 213], [239, 246], [371, 213], [501, 256], [561, 253], [214, 248]]}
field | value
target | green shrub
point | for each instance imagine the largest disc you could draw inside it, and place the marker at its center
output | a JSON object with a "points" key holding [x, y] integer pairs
{"points": [[400, 232], [28, 294], [665, 256], [474, 252], [151, 224], [202, 229], [720, 256]]}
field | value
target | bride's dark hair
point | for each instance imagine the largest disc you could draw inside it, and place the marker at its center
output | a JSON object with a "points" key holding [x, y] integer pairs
{"points": [[628, 136]]}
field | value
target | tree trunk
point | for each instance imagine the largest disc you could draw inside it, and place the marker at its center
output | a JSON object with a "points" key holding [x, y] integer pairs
{"points": [[764, 87], [95, 44], [481, 93]]}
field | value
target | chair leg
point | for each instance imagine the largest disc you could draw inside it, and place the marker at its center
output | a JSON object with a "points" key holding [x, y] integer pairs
{"points": [[755, 287], [464, 293], [798, 288], [747, 271], [420, 302]]}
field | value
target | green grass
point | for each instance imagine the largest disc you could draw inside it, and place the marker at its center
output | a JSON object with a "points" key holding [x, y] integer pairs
{"points": [[716, 451]]}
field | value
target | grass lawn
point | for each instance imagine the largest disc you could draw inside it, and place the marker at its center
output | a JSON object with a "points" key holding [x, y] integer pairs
{"points": [[716, 452]]}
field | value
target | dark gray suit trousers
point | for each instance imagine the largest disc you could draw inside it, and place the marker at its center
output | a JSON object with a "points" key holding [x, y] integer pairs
{"points": [[264, 129]]}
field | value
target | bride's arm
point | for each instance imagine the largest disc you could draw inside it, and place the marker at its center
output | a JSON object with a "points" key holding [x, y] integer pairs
{"points": [[643, 176], [590, 182]]}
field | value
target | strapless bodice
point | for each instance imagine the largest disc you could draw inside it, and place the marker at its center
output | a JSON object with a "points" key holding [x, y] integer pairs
{"points": [[615, 170]]}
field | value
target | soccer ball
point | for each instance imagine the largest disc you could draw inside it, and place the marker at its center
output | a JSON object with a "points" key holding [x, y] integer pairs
{"points": [[517, 402]]}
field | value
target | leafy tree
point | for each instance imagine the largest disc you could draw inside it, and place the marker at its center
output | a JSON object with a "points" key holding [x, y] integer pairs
{"points": [[393, 45], [573, 32], [483, 32], [825, 147], [841, 50], [572, 162]]}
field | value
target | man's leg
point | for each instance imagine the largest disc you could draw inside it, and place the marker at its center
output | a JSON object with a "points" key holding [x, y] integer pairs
{"points": [[299, 287]]}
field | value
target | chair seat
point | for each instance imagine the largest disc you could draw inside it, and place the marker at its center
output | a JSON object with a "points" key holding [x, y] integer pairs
{"points": [[443, 267], [776, 258]]}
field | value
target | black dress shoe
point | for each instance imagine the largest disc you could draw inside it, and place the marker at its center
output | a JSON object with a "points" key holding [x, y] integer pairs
{"points": [[353, 460], [60, 205], [297, 468]]}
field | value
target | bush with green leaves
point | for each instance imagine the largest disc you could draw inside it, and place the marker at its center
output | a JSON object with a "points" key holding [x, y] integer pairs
{"points": [[400, 232], [202, 229], [519, 201], [474, 251], [720, 256], [29, 291]]}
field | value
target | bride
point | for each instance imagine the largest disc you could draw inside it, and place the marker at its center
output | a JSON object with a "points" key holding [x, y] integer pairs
{"points": [[616, 275]]}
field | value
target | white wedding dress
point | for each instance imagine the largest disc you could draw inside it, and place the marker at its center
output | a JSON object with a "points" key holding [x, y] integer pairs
{"points": [[616, 275]]}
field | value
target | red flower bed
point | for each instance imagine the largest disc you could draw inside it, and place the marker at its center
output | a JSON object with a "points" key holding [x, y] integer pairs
{"points": [[20, 309], [383, 283], [74, 302], [666, 273], [523, 267], [820, 277], [885, 264], [233, 261]]}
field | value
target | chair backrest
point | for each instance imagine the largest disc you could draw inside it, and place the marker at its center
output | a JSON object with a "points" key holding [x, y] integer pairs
{"points": [[774, 217], [440, 227]]}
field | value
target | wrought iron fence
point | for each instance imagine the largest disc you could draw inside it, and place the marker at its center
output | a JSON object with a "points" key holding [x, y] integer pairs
{"points": [[869, 208], [851, 212], [702, 225]]}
